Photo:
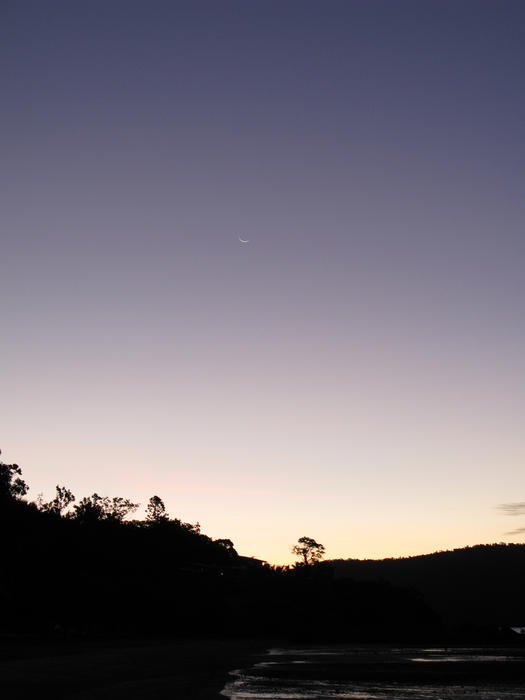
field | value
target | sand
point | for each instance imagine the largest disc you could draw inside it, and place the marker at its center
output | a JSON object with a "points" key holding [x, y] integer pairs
{"points": [[152, 670]]}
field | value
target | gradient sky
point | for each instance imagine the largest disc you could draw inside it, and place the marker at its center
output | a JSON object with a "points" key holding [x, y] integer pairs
{"points": [[356, 373]]}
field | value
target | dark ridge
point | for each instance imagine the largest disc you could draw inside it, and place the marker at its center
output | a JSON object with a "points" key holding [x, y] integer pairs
{"points": [[80, 569], [479, 585]]}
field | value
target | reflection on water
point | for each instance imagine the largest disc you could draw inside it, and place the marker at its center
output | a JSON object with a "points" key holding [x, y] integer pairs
{"points": [[327, 691], [462, 659], [381, 673]]}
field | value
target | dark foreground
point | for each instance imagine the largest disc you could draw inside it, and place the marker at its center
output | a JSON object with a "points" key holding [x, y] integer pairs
{"points": [[145, 670], [200, 669]]}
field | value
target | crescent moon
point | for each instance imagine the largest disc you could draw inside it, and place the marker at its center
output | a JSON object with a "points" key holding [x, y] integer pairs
{"points": [[242, 240]]}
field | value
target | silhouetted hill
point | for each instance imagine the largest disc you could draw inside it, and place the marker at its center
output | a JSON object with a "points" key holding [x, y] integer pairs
{"points": [[85, 570], [113, 577], [481, 585], [82, 577]]}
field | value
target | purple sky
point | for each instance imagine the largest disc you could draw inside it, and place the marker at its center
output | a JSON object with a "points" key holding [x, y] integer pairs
{"points": [[356, 373]]}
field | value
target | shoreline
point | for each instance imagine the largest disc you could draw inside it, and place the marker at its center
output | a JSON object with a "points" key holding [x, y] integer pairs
{"points": [[199, 669]]}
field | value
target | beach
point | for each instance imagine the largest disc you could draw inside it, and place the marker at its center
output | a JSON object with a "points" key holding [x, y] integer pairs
{"points": [[136, 670], [199, 669]]}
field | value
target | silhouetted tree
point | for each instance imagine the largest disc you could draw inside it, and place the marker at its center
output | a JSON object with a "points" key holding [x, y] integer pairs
{"points": [[228, 546], [63, 498], [95, 507], [192, 527], [119, 508], [11, 487], [156, 510], [308, 550]]}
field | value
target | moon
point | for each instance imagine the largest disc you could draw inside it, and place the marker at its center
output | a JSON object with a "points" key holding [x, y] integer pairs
{"points": [[243, 240]]}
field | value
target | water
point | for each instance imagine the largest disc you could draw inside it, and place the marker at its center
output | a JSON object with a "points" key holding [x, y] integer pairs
{"points": [[381, 673]]}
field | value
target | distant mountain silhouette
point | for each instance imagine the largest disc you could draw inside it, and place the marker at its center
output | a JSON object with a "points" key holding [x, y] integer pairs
{"points": [[481, 585]]}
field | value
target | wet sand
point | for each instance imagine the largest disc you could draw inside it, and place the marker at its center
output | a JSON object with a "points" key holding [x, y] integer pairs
{"points": [[403, 665], [142, 670], [378, 672]]}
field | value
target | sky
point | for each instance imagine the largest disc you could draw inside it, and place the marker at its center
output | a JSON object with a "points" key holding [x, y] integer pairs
{"points": [[355, 373]]}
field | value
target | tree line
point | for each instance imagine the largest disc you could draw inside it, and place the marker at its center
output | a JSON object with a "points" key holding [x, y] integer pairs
{"points": [[86, 567], [96, 508]]}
